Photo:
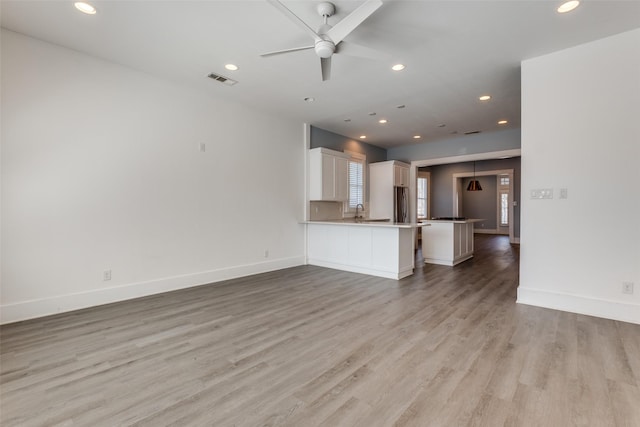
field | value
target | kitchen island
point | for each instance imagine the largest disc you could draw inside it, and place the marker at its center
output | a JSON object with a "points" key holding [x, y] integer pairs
{"points": [[378, 248], [447, 241]]}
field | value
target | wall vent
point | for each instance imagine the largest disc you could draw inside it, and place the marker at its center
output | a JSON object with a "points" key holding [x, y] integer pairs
{"points": [[471, 132], [222, 79]]}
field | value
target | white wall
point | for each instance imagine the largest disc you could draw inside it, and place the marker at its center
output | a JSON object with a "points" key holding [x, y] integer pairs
{"points": [[101, 170], [581, 131]]}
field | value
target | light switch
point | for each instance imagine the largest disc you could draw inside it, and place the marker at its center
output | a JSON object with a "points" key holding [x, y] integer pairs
{"points": [[542, 193], [563, 193]]}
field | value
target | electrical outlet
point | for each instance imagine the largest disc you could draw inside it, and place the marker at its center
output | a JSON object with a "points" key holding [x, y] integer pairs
{"points": [[266, 253], [106, 275], [627, 288], [202, 147]]}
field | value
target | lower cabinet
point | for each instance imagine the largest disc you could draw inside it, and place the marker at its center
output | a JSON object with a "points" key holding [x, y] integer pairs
{"points": [[447, 243], [378, 251]]}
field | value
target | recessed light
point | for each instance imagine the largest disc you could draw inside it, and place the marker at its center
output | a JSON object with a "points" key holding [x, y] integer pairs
{"points": [[363, 136], [502, 122], [372, 113], [85, 8], [416, 136], [347, 120], [398, 67], [441, 125], [309, 99], [400, 106], [485, 97], [382, 121], [568, 6], [231, 67]]}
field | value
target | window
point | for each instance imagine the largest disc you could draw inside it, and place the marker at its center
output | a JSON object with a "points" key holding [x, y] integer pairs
{"points": [[503, 200], [504, 209], [422, 197], [356, 184], [356, 180]]}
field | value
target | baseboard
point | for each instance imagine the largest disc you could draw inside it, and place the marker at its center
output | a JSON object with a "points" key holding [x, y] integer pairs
{"points": [[515, 241], [485, 231], [408, 271], [607, 309], [16, 312], [448, 262]]}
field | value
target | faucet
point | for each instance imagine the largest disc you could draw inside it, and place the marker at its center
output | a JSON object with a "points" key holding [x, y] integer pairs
{"points": [[358, 206]]}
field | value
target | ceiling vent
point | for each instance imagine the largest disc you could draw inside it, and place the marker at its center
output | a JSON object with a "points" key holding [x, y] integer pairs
{"points": [[222, 79], [471, 132]]}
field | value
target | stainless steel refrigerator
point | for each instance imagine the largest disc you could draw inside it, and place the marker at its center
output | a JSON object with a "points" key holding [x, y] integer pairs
{"points": [[400, 204]]}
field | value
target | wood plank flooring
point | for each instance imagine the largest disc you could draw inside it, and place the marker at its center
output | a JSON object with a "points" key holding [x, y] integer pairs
{"points": [[309, 346]]}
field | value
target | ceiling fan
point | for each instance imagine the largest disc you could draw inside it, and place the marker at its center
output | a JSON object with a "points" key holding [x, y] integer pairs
{"points": [[327, 38]]}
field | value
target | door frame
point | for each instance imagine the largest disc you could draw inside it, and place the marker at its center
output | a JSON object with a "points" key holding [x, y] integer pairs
{"points": [[415, 164], [458, 191]]}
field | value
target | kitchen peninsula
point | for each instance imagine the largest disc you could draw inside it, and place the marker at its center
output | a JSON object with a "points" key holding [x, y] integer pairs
{"points": [[378, 248], [447, 240]]}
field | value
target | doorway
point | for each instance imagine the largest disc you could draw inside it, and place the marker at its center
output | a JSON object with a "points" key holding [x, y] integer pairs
{"points": [[499, 212], [504, 154]]}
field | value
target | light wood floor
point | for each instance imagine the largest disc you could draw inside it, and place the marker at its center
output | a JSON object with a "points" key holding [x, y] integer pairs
{"points": [[310, 346]]}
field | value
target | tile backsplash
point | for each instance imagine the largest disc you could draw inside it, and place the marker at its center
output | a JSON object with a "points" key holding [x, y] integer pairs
{"points": [[325, 210]]}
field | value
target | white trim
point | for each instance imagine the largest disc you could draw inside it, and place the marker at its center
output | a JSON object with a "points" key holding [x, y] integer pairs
{"points": [[362, 270], [16, 312], [306, 140], [415, 164], [492, 155], [500, 189], [607, 309], [360, 157], [487, 231], [448, 262], [457, 191]]}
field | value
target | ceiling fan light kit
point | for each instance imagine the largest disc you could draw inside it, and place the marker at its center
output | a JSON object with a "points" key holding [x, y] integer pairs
{"points": [[328, 37]]}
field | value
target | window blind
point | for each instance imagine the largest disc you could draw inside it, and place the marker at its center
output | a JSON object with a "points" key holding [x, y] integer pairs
{"points": [[356, 183]]}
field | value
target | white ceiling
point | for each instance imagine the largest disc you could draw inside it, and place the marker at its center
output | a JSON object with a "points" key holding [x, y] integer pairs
{"points": [[454, 51]]}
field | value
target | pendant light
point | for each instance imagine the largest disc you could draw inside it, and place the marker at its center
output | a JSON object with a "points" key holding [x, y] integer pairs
{"points": [[474, 184]]}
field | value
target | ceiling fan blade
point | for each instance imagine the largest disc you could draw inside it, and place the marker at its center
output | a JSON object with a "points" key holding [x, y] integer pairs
{"points": [[351, 22], [359, 51], [294, 18], [325, 64], [294, 49]]}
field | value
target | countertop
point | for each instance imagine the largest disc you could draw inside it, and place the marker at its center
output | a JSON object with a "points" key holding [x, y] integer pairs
{"points": [[367, 223], [455, 221]]}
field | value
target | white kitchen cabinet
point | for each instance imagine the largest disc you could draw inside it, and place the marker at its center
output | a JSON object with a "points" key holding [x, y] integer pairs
{"points": [[447, 242], [400, 175], [383, 250], [383, 177], [328, 175]]}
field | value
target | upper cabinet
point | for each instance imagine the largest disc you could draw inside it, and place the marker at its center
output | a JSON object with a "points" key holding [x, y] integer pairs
{"points": [[328, 175], [400, 174], [383, 176], [391, 173]]}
